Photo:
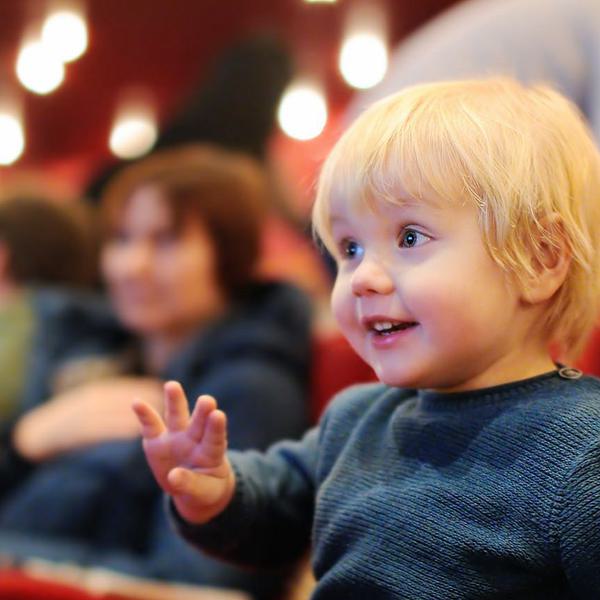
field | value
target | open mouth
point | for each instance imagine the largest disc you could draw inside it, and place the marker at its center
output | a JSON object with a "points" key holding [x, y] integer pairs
{"points": [[384, 328]]}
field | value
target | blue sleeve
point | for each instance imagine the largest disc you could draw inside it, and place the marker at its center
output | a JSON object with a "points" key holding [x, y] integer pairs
{"points": [[268, 522], [171, 557]]}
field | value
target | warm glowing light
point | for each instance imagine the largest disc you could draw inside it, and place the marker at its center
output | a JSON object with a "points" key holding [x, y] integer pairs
{"points": [[65, 34], [12, 139], [320, 1], [39, 70], [363, 60], [302, 112], [133, 134]]}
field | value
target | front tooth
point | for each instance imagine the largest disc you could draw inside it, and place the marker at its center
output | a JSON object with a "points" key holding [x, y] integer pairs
{"points": [[382, 326]]}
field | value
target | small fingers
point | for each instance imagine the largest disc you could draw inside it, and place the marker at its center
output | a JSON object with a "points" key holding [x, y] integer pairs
{"points": [[177, 414], [151, 423], [214, 442], [205, 405]]}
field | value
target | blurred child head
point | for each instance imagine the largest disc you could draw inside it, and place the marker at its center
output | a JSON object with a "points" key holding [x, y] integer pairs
{"points": [[183, 233], [520, 158], [44, 243]]}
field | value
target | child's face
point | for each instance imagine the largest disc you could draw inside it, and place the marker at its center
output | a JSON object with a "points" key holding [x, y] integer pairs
{"points": [[420, 299]]}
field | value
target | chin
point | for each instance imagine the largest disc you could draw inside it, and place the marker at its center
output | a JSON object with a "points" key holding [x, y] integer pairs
{"points": [[396, 379], [390, 378], [139, 325], [395, 382]]}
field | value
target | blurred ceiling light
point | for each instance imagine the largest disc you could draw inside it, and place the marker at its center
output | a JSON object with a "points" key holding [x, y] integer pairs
{"points": [[38, 70], [134, 133], [302, 112], [363, 60], [12, 138], [65, 33]]}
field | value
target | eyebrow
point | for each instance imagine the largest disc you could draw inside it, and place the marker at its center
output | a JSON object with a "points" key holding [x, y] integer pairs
{"points": [[336, 219], [404, 204]]}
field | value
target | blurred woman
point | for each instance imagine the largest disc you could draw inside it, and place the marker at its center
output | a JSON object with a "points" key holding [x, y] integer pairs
{"points": [[182, 240]]}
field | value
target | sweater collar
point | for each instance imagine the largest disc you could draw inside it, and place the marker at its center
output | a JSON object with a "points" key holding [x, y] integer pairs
{"points": [[432, 401]]}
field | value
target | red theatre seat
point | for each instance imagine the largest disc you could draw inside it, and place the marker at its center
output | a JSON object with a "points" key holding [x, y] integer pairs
{"points": [[15, 585], [589, 361], [335, 367]]}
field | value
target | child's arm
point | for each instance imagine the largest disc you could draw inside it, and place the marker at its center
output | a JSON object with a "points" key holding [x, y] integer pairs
{"points": [[188, 454]]}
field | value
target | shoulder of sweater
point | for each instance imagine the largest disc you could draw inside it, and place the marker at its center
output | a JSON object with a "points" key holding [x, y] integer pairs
{"points": [[580, 397], [567, 410], [579, 403]]}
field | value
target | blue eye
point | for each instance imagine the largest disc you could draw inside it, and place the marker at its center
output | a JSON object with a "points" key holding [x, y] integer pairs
{"points": [[350, 249], [409, 238]]}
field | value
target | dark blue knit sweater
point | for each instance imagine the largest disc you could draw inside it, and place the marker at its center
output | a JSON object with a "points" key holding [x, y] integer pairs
{"points": [[416, 495]]}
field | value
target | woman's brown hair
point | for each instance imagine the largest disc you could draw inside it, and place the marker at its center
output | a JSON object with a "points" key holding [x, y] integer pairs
{"points": [[226, 192]]}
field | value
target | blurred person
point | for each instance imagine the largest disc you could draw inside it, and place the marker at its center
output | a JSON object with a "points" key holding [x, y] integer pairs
{"points": [[39, 245], [233, 105], [45, 249], [182, 238], [552, 41]]}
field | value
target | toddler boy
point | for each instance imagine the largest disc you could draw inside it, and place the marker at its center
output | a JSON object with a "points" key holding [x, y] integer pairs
{"points": [[464, 219]]}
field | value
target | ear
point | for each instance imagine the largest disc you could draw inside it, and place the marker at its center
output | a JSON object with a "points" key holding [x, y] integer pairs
{"points": [[551, 259]]}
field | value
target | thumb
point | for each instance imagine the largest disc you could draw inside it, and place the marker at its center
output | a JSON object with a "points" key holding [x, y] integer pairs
{"points": [[197, 496], [201, 488], [181, 480]]}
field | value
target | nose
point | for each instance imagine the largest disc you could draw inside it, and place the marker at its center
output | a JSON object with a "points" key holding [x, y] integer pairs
{"points": [[371, 277], [133, 259]]}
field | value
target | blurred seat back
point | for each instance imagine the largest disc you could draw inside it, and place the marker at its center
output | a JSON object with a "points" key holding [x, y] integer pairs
{"points": [[16, 585], [589, 361], [335, 367]]}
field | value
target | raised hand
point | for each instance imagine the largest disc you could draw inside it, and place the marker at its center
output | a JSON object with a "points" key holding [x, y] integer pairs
{"points": [[188, 454]]}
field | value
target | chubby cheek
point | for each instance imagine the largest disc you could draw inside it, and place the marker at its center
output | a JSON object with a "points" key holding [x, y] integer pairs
{"points": [[339, 301], [343, 308], [448, 307], [437, 308]]}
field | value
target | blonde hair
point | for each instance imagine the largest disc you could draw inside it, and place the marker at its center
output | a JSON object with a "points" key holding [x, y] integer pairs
{"points": [[521, 154]]}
